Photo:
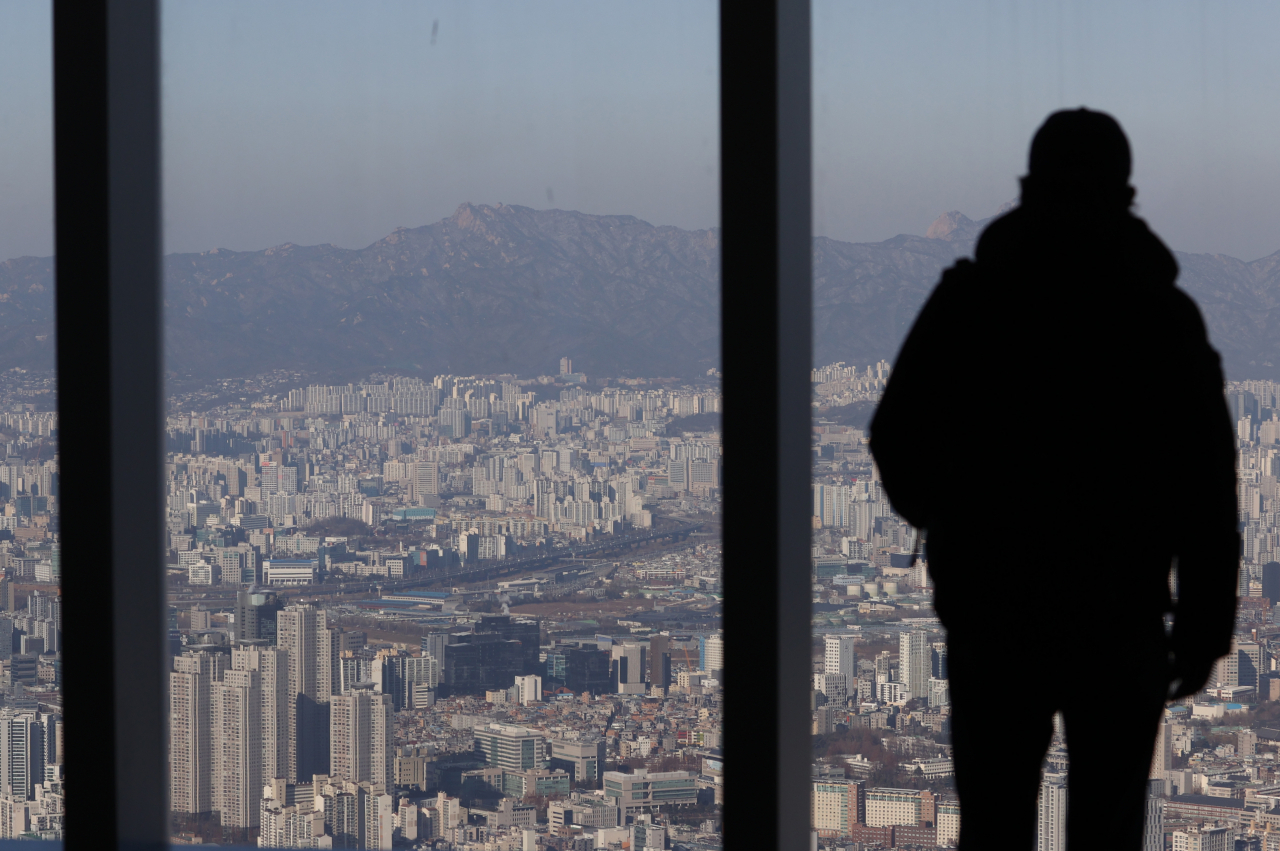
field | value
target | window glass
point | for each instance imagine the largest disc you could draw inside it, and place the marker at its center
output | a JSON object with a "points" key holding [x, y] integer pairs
{"points": [[923, 116], [443, 437], [31, 754]]}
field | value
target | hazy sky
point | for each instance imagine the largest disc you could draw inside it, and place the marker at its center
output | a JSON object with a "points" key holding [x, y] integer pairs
{"points": [[318, 122], [924, 107]]}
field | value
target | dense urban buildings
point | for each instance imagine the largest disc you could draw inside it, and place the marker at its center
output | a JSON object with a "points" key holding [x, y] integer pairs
{"points": [[483, 611], [390, 628]]}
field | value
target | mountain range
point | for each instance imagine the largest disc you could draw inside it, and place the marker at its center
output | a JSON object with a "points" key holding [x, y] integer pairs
{"points": [[511, 289]]}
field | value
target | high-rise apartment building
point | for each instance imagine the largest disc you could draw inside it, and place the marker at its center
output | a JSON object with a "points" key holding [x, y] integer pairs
{"points": [[1153, 818], [841, 656], [237, 747], [360, 737], [884, 667], [272, 667], [914, 666], [712, 652], [304, 633], [1051, 820], [190, 735], [426, 479]]}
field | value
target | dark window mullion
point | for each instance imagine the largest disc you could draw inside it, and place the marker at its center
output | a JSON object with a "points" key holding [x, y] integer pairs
{"points": [[107, 237], [766, 352]]}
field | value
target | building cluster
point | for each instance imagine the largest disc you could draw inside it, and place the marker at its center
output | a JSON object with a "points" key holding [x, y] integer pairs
{"points": [[498, 731], [31, 754], [475, 469]]}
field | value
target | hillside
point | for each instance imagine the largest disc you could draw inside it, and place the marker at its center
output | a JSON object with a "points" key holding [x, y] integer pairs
{"points": [[511, 289]]}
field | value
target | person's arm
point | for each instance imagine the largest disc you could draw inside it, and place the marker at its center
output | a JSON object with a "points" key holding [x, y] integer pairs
{"points": [[901, 426], [1207, 544]]}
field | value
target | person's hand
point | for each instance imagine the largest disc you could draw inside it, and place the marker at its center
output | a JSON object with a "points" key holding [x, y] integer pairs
{"points": [[1188, 675]]}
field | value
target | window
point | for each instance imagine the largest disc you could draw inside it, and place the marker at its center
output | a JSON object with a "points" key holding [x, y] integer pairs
{"points": [[32, 802], [442, 387], [922, 120], [107, 113]]}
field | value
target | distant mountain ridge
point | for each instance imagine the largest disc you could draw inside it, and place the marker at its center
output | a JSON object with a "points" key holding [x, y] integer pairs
{"points": [[511, 289]]}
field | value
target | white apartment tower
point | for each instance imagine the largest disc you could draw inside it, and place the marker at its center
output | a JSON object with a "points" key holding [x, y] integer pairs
{"points": [[842, 656], [272, 667], [914, 662], [1051, 823], [360, 737], [237, 748], [190, 737], [303, 631]]}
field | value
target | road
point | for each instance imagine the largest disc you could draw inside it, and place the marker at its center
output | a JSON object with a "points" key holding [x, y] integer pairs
{"points": [[455, 575]]}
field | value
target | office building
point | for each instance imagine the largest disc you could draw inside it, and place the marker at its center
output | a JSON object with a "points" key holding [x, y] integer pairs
{"points": [[837, 805], [627, 668], [583, 760], [510, 747], [841, 656], [255, 615], [643, 790], [833, 686], [22, 754], [1203, 838], [659, 661], [888, 807]]}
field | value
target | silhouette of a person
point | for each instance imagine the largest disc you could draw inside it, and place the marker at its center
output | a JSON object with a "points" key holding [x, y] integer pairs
{"points": [[1057, 402]]}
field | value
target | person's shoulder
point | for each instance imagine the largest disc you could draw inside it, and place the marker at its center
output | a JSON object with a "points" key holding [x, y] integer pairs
{"points": [[1004, 232], [1151, 249]]}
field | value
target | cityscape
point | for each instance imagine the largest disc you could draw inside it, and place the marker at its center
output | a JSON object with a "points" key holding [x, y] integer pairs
{"points": [[464, 612], [485, 613]]}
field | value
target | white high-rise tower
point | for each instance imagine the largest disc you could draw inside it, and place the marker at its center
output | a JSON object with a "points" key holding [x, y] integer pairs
{"points": [[237, 747], [914, 665], [842, 656]]}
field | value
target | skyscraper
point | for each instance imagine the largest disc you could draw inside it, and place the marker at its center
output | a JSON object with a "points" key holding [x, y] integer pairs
{"points": [[913, 662], [272, 666], [360, 737], [1162, 756], [660, 661], [22, 754], [237, 747], [303, 632], [190, 737], [256, 612], [1051, 824], [842, 657]]}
